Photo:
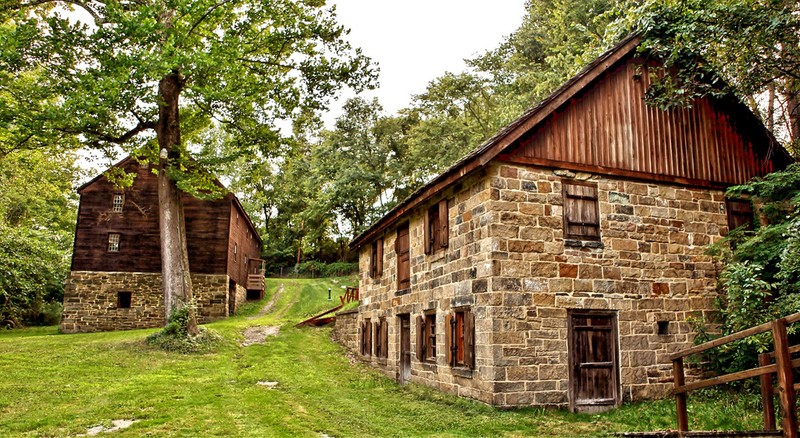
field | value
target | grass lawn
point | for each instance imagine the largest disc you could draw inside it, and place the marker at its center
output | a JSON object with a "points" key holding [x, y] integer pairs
{"points": [[61, 385]]}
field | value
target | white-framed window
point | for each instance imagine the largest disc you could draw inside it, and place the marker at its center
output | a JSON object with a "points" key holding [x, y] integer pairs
{"points": [[235, 251], [117, 202], [113, 242]]}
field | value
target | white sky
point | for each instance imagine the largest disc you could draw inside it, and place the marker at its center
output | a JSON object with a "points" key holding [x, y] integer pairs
{"points": [[415, 41]]}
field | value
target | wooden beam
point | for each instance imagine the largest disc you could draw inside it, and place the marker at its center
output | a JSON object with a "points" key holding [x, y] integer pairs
{"points": [[786, 393], [727, 378], [680, 397], [795, 317], [766, 394]]}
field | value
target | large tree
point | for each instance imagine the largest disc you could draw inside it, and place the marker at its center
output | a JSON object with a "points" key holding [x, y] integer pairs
{"points": [[110, 73], [748, 47]]}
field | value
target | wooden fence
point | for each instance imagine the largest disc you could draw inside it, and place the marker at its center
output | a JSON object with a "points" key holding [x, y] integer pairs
{"points": [[782, 368]]}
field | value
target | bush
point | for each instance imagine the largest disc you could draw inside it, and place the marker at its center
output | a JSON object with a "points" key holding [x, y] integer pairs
{"points": [[175, 337], [761, 278]]}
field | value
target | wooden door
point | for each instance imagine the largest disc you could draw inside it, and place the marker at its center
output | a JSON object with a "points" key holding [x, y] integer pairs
{"points": [[231, 297], [403, 258], [405, 349], [593, 362]]}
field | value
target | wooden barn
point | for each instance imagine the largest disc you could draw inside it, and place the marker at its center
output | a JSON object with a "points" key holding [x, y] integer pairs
{"points": [[561, 262], [115, 278]]}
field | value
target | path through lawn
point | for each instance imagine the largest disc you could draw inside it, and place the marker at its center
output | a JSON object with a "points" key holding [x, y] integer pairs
{"points": [[296, 383]]}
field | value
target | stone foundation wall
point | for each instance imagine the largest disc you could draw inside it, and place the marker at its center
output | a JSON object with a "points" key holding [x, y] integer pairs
{"points": [[508, 260], [346, 330], [90, 300]]}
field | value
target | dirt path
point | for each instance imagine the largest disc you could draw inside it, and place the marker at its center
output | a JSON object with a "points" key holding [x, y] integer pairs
{"points": [[268, 307]]}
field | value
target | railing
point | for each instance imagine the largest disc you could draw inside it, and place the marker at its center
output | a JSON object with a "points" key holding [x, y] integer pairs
{"points": [[255, 276], [782, 368]]}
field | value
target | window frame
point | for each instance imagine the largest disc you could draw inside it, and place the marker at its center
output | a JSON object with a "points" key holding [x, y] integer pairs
{"points": [[567, 201], [426, 337], [436, 227], [376, 258], [116, 207], [366, 337], [460, 339], [403, 275], [114, 242], [381, 338], [731, 213]]}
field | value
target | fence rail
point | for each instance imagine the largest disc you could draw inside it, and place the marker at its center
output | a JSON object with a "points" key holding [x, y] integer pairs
{"points": [[782, 368]]}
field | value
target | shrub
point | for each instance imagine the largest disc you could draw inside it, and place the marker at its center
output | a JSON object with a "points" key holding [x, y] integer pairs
{"points": [[761, 278], [175, 337]]}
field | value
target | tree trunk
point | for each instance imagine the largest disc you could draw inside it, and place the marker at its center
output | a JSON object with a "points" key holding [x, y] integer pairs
{"points": [[176, 280]]}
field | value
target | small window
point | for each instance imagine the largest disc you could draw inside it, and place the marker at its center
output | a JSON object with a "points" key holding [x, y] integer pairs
{"points": [[124, 300], [581, 211], [740, 214], [366, 338], [235, 251], [426, 337], [117, 202], [460, 339], [376, 259], [113, 242], [436, 227], [246, 261]]}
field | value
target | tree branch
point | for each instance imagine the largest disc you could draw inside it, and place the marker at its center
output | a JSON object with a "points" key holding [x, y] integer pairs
{"points": [[99, 136], [201, 19], [98, 19]]}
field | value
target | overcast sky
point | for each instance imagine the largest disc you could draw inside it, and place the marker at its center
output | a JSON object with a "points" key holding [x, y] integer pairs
{"points": [[415, 41]]}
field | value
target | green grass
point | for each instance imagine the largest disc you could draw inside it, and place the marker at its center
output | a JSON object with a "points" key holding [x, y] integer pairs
{"points": [[60, 385]]}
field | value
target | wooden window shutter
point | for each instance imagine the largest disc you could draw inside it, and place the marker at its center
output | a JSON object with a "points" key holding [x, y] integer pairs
{"points": [[426, 219], [469, 339], [444, 224], [448, 338], [581, 211], [740, 212], [373, 259], [377, 336], [379, 264], [363, 338], [385, 337], [420, 338]]}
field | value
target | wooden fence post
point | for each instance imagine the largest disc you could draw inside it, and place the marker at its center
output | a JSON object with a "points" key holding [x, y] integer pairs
{"points": [[767, 393], [680, 398], [786, 393]]}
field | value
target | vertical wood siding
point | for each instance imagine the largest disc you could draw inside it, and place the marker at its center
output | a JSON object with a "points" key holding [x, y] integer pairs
{"points": [[609, 126], [206, 228]]}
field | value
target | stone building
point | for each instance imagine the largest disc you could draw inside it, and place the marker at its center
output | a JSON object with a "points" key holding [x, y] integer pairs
{"points": [[562, 261], [115, 278]]}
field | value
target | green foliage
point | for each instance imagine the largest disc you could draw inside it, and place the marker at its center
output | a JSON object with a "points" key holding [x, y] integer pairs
{"points": [[174, 337], [748, 47], [314, 268], [761, 279], [37, 216]]}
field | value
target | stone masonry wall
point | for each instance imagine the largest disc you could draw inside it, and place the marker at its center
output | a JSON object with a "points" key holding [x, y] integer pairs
{"points": [[651, 266], [439, 282], [90, 300], [346, 329], [507, 259]]}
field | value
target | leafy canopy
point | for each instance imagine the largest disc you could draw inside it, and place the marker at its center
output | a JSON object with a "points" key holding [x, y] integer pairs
{"points": [[92, 75]]}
